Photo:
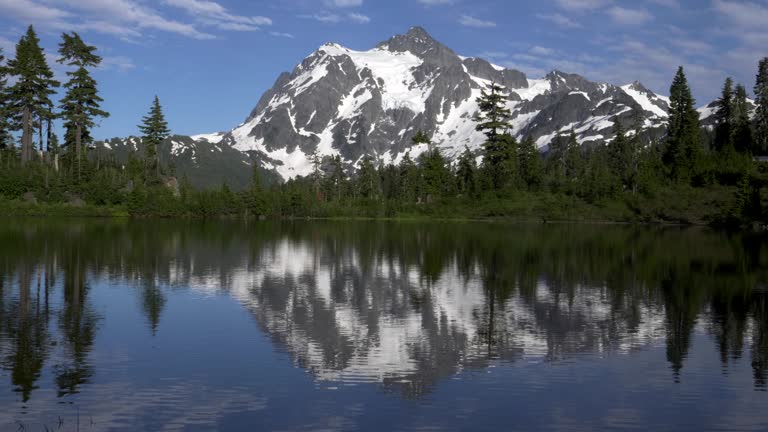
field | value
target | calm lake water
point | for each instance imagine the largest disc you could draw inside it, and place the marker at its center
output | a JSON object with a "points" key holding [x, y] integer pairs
{"points": [[182, 325]]}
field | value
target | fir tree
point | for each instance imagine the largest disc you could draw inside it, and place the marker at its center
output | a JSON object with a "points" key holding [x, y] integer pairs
{"points": [[599, 180], [621, 157], [494, 122], [410, 180], [435, 173], [29, 97], [742, 126], [6, 140], [761, 113], [422, 138], [368, 179], [724, 116], [466, 173], [574, 160], [530, 163], [683, 139], [335, 179], [155, 130], [557, 162], [81, 103]]}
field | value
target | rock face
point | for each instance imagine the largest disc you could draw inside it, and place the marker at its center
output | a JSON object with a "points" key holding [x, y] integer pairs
{"points": [[338, 101]]}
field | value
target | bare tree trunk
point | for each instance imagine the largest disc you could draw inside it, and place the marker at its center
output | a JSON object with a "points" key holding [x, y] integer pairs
{"points": [[26, 138], [48, 137], [40, 135], [78, 142]]}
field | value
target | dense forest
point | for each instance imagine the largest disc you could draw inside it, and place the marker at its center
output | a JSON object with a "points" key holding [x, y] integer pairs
{"points": [[693, 175]]}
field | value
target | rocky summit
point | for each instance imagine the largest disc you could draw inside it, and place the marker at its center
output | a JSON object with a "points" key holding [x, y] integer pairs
{"points": [[349, 103]]}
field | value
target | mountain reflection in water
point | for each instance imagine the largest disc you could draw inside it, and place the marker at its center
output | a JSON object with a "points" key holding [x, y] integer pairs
{"points": [[402, 307]]}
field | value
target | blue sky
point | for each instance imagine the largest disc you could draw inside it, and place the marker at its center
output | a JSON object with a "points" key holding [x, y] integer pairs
{"points": [[209, 61]]}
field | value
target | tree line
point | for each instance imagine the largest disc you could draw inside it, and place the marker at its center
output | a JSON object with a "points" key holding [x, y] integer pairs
{"points": [[631, 171]]}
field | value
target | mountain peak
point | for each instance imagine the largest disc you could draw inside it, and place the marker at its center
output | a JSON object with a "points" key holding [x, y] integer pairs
{"points": [[416, 41], [417, 32]]}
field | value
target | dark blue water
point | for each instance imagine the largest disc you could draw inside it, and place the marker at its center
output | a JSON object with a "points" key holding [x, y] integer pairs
{"points": [[175, 325]]}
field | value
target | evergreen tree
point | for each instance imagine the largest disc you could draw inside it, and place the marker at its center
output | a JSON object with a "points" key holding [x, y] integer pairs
{"points": [[599, 181], [557, 162], [742, 126], [435, 173], [155, 130], [684, 137], [466, 173], [29, 97], [574, 160], [494, 122], [724, 116], [621, 157], [368, 179], [422, 138], [334, 181], [530, 163], [410, 179], [6, 140], [81, 103], [761, 113]]}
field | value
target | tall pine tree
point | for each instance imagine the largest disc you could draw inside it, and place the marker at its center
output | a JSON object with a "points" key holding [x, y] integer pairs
{"points": [[761, 99], [81, 103], [530, 163], [500, 146], [684, 136], [466, 173], [725, 117], [742, 126], [29, 97], [155, 130], [6, 140]]}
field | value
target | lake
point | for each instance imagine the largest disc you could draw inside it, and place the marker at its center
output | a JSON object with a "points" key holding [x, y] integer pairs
{"points": [[191, 325]]}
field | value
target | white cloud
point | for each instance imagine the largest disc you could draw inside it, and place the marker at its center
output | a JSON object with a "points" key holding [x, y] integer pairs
{"points": [[359, 18], [667, 3], [118, 17], [323, 17], [119, 63], [559, 20], [281, 34], [470, 21], [493, 54], [539, 50], [745, 14], [214, 14], [344, 3], [582, 5], [629, 16], [333, 18]]}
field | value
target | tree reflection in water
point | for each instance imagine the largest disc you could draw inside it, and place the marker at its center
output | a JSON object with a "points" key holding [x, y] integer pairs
{"points": [[402, 305]]}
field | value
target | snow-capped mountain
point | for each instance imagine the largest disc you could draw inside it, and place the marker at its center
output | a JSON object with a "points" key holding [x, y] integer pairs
{"points": [[349, 103]]}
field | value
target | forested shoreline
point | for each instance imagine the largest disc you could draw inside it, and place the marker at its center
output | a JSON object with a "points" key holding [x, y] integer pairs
{"points": [[693, 175]]}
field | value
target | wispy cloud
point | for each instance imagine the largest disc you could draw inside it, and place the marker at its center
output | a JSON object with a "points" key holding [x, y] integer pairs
{"points": [[333, 18], [359, 18], [629, 16], [582, 5], [117, 17], [282, 34], [470, 21], [344, 3], [559, 20], [214, 14]]}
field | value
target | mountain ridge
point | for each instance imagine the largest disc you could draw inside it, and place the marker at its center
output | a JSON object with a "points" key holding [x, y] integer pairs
{"points": [[347, 103]]}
